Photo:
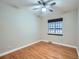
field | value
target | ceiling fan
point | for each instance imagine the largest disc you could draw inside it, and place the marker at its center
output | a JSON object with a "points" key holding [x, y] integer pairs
{"points": [[44, 5]]}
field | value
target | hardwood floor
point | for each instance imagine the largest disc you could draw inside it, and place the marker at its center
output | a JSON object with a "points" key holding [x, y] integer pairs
{"points": [[43, 50]]}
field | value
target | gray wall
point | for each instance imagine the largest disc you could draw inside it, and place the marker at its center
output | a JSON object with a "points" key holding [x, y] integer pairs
{"points": [[69, 28], [18, 27], [78, 31]]}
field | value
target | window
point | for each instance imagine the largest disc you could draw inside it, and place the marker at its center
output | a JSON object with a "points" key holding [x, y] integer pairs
{"points": [[55, 26]]}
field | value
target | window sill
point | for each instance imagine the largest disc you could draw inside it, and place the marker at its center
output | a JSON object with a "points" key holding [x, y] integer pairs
{"points": [[55, 34]]}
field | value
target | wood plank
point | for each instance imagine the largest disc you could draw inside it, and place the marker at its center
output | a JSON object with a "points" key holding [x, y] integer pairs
{"points": [[43, 50]]}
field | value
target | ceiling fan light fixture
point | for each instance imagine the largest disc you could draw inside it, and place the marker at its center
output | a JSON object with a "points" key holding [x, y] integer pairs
{"points": [[44, 6], [44, 9]]}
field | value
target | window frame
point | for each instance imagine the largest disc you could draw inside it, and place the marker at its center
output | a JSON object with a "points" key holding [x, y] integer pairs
{"points": [[54, 21]]}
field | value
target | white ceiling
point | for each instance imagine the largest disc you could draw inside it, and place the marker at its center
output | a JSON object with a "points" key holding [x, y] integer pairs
{"points": [[61, 5]]}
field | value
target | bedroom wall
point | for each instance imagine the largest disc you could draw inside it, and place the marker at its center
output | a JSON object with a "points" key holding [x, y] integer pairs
{"points": [[69, 28], [78, 31], [18, 27]]}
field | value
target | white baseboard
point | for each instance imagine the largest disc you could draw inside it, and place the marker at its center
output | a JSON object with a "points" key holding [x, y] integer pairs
{"points": [[13, 50], [78, 52], [8, 52], [64, 45], [61, 44]]}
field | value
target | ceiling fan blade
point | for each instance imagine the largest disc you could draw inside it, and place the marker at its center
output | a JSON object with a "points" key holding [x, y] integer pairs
{"points": [[48, 1], [42, 1], [32, 4], [39, 2], [35, 8], [50, 10], [54, 3]]}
